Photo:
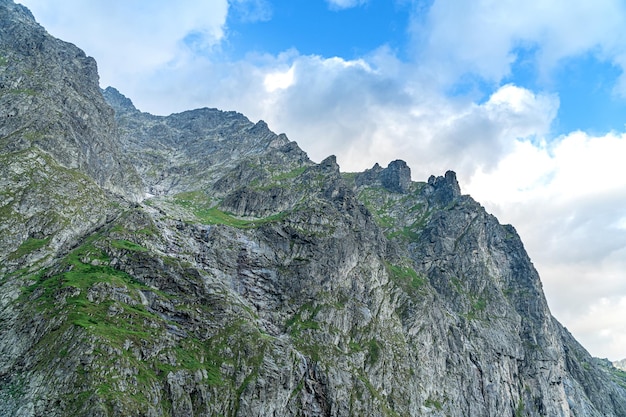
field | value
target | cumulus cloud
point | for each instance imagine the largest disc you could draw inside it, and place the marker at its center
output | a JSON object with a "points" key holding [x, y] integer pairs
{"points": [[364, 111], [279, 80], [485, 37]]}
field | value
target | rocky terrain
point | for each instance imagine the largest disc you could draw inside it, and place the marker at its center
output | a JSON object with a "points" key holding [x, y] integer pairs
{"points": [[199, 264]]}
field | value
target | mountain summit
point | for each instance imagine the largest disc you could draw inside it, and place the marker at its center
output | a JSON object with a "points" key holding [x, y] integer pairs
{"points": [[199, 264]]}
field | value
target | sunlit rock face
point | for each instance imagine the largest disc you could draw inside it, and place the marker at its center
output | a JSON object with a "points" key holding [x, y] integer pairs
{"points": [[251, 281]]}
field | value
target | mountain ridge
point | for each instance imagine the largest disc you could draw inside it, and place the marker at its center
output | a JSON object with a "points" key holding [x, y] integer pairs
{"points": [[253, 281]]}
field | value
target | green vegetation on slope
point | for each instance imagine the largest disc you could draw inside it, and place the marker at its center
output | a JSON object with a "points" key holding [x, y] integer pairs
{"points": [[134, 348], [409, 280], [204, 212], [29, 245]]}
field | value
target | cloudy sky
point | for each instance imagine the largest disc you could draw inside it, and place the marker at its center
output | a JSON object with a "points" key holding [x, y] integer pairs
{"points": [[524, 99]]}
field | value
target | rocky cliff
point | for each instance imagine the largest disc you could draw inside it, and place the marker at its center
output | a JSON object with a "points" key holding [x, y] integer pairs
{"points": [[252, 282]]}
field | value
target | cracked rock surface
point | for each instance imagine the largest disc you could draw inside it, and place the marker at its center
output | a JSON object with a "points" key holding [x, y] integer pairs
{"points": [[199, 264]]}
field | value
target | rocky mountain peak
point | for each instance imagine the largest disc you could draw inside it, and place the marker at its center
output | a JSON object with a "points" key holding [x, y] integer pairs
{"points": [[330, 164], [118, 101], [621, 364], [446, 188], [396, 177]]}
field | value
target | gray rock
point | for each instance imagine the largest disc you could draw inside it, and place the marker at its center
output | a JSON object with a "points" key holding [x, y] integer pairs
{"points": [[396, 177], [254, 282]]}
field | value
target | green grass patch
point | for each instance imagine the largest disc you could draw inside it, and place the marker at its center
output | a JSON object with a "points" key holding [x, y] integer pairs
{"points": [[477, 307], [125, 244], [354, 346], [192, 198], [33, 136], [349, 178], [217, 216], [436, 404], [147, 231], [374, 350], [83, 267], [113, 323], [294, 173], [277, 180], [25, 91], [297, 323], [300, 326], [619, 376], [406, 277], [479, 304], [29, 245], [205, 213], [407, 234], [457, 284]]}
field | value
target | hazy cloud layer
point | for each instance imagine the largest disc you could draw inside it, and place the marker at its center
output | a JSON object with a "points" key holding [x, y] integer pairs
{"points": [[566, 196], [344, 4], [251, 10]]}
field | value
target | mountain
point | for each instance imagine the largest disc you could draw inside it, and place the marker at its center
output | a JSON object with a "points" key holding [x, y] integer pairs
{"points": [[198, 264]]}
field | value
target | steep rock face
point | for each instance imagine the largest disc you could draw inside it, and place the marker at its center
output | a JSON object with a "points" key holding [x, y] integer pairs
{"points": [[50, 99], [58, 143], [258, 283], [504, 349], [181, 151]]}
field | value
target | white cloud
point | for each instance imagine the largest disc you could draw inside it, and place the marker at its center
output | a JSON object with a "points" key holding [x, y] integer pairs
{"points": [[132, 38], [279, 80], [481, 37], [364, 111]]}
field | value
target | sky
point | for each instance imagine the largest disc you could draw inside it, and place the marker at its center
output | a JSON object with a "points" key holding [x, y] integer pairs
{"points": [[525, 100]]}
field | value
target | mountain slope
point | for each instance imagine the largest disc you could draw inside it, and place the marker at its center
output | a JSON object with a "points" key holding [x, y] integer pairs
{"points": [[253, 282], [61, 163]]}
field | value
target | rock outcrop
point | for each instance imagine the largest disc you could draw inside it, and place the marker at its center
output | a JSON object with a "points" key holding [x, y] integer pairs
{"points": [[396, 177], [252, 281]]}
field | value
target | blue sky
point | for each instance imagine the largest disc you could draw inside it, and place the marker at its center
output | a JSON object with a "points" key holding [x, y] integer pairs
{"points": [[525, 100], [312, 27], [584, 82], [586, 86]]}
